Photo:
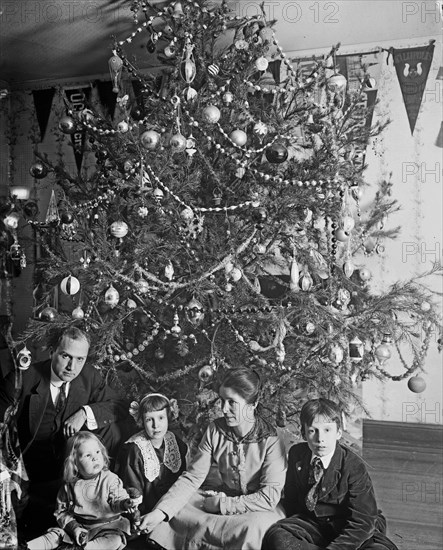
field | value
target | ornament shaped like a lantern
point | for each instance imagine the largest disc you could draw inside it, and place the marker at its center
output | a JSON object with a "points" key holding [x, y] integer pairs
{"points": [[194, 312], [356, 350]]}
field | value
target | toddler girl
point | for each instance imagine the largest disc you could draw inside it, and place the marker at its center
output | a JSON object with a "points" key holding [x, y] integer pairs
{"points": [[154, 457], [90, 501]]}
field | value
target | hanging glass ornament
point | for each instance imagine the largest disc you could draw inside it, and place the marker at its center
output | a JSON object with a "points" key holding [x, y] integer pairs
{"points": [[70, 285], [170, 50], [130, 303], [115, 65], [236, 274], [341, 235], [320, 265], [211, 114], [48, 314], [176, 329], [15, 252], [169, 271], [347, 223], [356, 350], [158, 194], [348, 268], [294, 277], [238, 137], [306, 281], [178, 143], [310, 328], [11, 221], [227, 98], [112, 297], [151, 44], [188, 68], [261, 64], [38, 170], [417, 384], [77, 313], [276, 153], [52, 215], [206, 374], [190, 93], [260, 129], [383, 353], [24, 358], [119, 229], [337, 83], [194, 311], [336, 354], [150, 139], [213, 69], [240, 172], [67, 125], [187, 214], [365, 274], [425, 306], [142, 286], [217, 196], [123, 127], [159, 353]]}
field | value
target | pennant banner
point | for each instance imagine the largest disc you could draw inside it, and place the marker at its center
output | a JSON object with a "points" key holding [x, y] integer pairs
{"points": [[78, 99], [43, 103], [412, 66]]}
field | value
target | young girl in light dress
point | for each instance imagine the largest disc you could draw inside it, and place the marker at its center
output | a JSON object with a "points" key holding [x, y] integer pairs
{"points": [[153, 458], [90, 501]]}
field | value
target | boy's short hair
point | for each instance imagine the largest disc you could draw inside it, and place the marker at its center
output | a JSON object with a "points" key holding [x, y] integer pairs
{"points": [[320, 407]]}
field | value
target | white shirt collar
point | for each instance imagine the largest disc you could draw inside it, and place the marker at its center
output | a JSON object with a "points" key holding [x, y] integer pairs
{"points": [[55, 380], [325, 460]]}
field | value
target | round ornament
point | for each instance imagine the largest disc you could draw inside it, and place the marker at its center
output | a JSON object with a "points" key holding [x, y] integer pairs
{"points": [[112, 297], [236, 274], [213, 69], [211, 114], [365, 274], [178, 143], [276, 153], [119, 229], [142, 286], [150, 139], [11, 221], [383, 353], [30, 209], [309, 328], [78, 313], [341, 235], [123, 126], [228, 98], [67, 125], [238, 137], [24, 358], [337, 83], [48, 314], [260, 129], [66, 217], [261, 64], [38, 170], [136, 113], [425, 306], [206, 373], [70, 285], [158, 194], [187, 214], [417, 384], [194, 311]]}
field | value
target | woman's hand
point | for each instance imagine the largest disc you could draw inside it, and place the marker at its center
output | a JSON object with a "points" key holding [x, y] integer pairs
{"points": [[211, 503], [80, 536], [150, 521]]}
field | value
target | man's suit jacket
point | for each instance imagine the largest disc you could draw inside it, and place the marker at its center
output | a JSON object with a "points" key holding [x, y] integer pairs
{"points": [[346, 502], [88, 388]]}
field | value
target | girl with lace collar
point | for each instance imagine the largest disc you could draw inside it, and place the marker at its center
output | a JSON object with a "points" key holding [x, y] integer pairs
{"points": [[153, 458]]}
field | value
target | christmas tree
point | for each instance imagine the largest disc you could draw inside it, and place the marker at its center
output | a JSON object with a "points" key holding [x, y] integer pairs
{"points": [[222, 224]]}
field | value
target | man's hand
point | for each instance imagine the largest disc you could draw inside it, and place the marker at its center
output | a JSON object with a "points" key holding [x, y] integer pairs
{"points": [[74, 423], [211, 504], [150, 521]]}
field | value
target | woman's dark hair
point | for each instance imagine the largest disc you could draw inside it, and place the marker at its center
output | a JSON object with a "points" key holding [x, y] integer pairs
{"points": [[320, 407], [245, 381]]}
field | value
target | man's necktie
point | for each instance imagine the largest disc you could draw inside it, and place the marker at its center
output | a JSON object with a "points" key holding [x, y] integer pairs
{"points": [[61, 401], [315, 475]]}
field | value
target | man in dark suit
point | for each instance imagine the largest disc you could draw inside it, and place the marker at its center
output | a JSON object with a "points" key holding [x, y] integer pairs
{"points": [[328, 495], [58, 398]]}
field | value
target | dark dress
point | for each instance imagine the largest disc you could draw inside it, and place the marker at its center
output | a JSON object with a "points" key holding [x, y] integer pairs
{"points": [[149, 470]]}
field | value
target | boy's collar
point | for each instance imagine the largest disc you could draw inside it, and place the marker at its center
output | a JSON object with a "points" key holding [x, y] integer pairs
{"points": [[325, 460]]}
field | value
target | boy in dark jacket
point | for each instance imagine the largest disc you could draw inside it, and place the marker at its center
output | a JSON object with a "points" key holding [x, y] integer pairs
{"points": [[328, 496]]}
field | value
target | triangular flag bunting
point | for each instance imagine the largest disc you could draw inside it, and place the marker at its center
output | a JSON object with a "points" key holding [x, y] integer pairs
{"points": [[43, 103], [439, 140], [78, 100], [412, 66]]}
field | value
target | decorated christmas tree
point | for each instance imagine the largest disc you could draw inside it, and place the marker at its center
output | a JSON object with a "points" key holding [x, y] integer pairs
{"points": [[222, 225]]}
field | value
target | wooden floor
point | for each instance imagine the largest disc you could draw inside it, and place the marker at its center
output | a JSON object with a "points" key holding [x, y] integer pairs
{"points": [[405, 462]]}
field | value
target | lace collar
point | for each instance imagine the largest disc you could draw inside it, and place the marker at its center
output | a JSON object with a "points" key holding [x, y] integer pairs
{"points": [[151, 463], [261, 430]]}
